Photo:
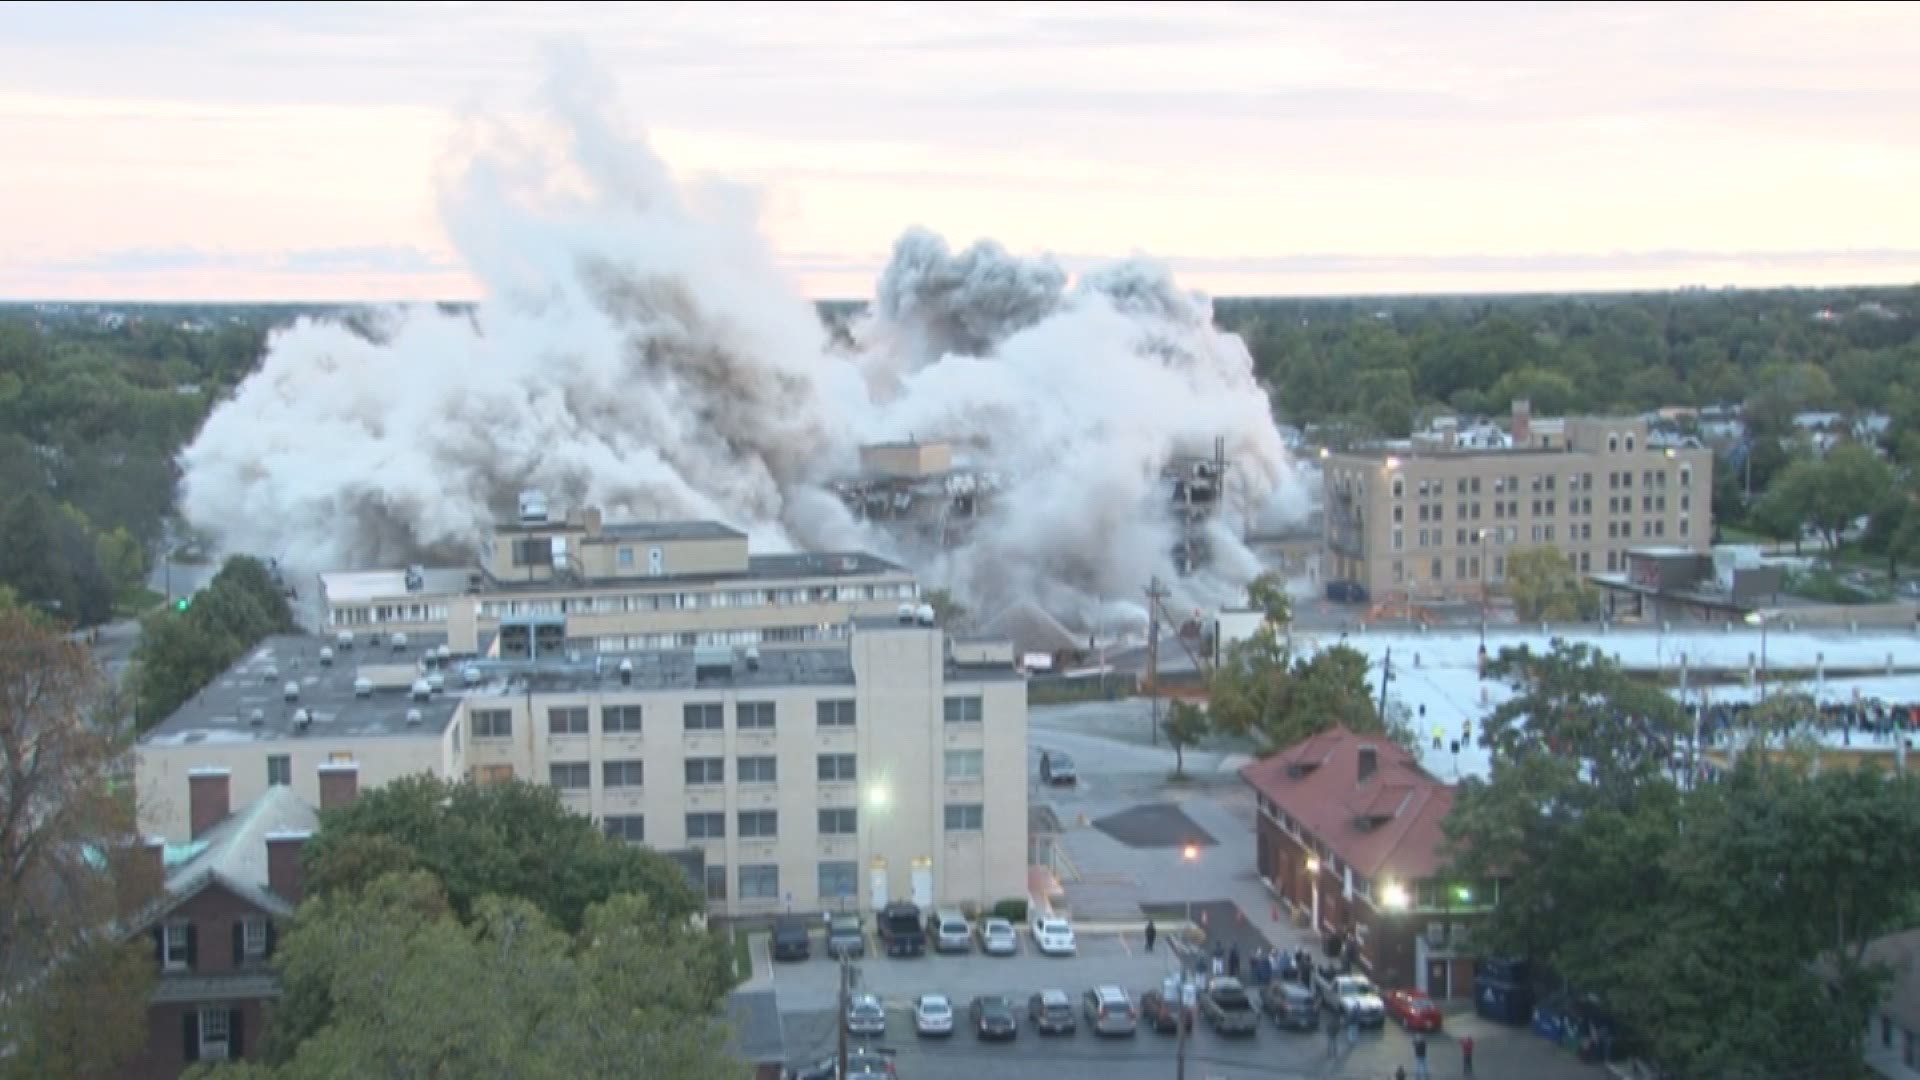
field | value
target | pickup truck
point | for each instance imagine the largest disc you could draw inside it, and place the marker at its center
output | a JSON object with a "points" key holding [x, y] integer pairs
{"points": [[1228, 1009], [902, 930], [1352, 996]]}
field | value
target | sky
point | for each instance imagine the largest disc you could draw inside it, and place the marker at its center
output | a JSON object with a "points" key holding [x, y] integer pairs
{"points": [[289, 150]]}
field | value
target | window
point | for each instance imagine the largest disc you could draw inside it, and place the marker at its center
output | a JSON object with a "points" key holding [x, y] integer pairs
{"points": [[533, 551], [716, 883], [622, 774], [754, 716], [836, 767], [492, 724], [1629, 442], [216, 1033], [177, 948], [253, 937], [760, 883], [620, 720], [570, 775], [710, 716], [839, 821], [834, 713], [626, 558], [838, 881], [279, 770], [493, 774], [758, 770], [759, 824], [571, 720], [629, 827], [963, 710], [1399, 487], [706, 770], [963, 817], [1436, 575], [964, 764], [707, 826]]}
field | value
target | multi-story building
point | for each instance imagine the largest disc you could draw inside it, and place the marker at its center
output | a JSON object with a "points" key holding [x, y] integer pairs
{"points": [[891, 765], [1434, 521], [623, 587]]}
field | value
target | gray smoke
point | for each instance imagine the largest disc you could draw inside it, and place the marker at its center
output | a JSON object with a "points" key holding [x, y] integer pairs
{"points": [[638, 349]]}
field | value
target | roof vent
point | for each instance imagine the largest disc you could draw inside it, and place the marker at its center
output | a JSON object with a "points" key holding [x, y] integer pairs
{"points": [[422, 690], [626, 673], [470, 675], [444, 652], [291, 691], [753, 658], [925, 614], [416, 578], [272, 673], [533, 507], [344, 639], [363, 687], [413, 717], [437, 682], [257, 718], [302, 720], [326, 656], [399, 642], [906, 613]]}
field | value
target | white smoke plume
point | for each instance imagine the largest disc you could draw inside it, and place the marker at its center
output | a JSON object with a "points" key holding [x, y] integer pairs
{"points": [[637, 349]]}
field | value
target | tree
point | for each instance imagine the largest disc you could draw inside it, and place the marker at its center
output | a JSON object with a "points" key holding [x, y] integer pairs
{"points": [[1545, 586], [410, 990], [1268, 595], [71, 1001], [1829, 495], [1260, 692], [1186, 724], [949, 612], [182, 651]]}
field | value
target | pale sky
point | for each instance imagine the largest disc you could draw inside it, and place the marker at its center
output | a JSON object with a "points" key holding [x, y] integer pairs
{"points": [[288, 151]]}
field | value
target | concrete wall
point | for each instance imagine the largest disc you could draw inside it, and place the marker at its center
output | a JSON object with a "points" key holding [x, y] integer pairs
{"points": [[160, 771]]}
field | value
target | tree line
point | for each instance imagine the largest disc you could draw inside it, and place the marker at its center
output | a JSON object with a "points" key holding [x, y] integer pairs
{"points": [[186, 646]]}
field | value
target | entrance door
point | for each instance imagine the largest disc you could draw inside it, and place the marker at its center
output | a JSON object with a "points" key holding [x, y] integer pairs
{"points": [[923, 885], [877, 885], [1439, 980]]}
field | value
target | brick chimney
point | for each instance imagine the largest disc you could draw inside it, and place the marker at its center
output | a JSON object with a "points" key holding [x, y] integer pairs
{"points": [[1369, 760], [209, 791], [339, 783], [144, 874], [1522, 423], [284, 873]]}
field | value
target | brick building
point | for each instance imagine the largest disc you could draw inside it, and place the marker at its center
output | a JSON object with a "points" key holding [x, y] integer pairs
{"points": [[1349, 834], [229, 891]]}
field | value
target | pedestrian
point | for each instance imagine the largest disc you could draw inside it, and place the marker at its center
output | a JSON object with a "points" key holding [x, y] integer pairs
{"points": [[1353, 1028], [1466, 1055], [1420, 1059], [1333, 1035], [1152, 932], [1233, 962], [1399, 1072]]}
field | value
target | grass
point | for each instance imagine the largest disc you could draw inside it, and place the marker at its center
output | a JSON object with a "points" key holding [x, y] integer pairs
{"points": [[137, 601], [742, 956]]}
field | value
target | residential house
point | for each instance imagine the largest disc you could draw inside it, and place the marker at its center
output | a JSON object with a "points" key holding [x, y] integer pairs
{"points": [[229, 892], [1349, 833], [1893, 1031]]}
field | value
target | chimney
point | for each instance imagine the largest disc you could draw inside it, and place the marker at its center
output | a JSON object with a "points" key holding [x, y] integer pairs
{"points": [[1369, 763], [208, 798], [463, 626], [285, 875], [590, 517], [144, 875], [339, 783], [1522, 423]]}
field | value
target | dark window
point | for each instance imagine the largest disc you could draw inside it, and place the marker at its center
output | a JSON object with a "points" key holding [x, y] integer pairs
{"points": [[838, 880], [620, 719], [754, 716], [707, 826], [964, 817], [279, 770], [834, 713], [759, 824], [841, 821], [963, 710], [706, 770], [716, 883], [492, 724], [836, 767], [758, 770], [629, 827], [571, 720], [533, 551], [570, 775], [710, 716], [759, 883], [621, 774]]}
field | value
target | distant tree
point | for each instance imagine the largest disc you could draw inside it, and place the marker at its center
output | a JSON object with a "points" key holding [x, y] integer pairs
{"points": [[1262, 693], [1185, 725], [1828, 495], [182, 651], [1544, 585], [1549, 393], [1268, 595], [949, 611]]}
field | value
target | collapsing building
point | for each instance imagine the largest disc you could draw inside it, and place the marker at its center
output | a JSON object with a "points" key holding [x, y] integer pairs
{"points": [[917, 491]]}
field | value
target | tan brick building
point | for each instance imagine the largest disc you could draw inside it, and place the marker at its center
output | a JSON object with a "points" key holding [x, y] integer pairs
{"points": [[1438, 520]]}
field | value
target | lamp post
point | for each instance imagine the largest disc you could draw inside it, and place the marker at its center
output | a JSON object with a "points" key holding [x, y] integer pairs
{"points": [[876, 804], [1313, 877], [1759, 619], [1484, 571], [1190, 855]]}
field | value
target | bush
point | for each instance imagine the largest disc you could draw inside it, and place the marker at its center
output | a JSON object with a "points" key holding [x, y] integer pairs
{"points": [[1012, 910]]}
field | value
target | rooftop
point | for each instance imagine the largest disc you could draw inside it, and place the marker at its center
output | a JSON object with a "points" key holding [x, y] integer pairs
{"points": [[348, 586], [670, 530], [760, 568], [1387, 821], [224, 710], [233, 853]]}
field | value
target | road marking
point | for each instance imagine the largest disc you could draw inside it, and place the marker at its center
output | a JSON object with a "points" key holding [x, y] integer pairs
{"points": [[1123, 942]]}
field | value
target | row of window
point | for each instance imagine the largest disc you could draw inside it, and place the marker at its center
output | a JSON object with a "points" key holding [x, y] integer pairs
{"points": [[641, 602], [765, 824], [1435, 488], [696, 716], [837, 880], [691, 639], [749, 768]]}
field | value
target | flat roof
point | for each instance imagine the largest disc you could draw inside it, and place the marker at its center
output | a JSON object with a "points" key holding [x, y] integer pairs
{"points": [[629, 530], [350, 586], [760, 568], [222, 711]]}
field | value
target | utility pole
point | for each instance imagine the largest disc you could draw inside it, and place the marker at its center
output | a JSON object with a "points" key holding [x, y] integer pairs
{"points": [[1156, 592], [840, 1021], [1180, 1029], [1386, 675]]}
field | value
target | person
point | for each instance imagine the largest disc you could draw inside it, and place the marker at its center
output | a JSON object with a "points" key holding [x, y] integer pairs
{"points": [[1466, 1055], [1399, 1072], [1152, 932], [1420, 1071], [1333, 1034], [1233, 962]]}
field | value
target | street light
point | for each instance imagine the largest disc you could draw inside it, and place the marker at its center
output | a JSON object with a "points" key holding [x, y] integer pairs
{"points": [[1313, 876], [1759, 619], [1393, 896], [1485, 569], [1190, 854], [876, 803]]}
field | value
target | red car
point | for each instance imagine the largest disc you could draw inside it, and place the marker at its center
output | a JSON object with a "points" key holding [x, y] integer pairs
{"points": [[1414, 1010]]}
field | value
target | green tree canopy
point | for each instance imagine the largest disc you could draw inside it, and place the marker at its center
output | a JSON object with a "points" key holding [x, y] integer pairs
{"points": [[182, 651], [1544, 585], [1261, 692]]}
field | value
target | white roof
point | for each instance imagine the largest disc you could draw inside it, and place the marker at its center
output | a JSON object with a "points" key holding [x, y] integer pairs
{"points": [[356, 586]]}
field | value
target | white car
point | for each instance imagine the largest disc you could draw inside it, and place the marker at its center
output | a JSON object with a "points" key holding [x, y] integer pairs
{"points": [[1053, 936], [998, 938], [933, 1014]]}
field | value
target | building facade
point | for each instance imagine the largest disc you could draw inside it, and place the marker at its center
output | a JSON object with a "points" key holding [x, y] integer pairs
{"points": [[623, 587], [1348, 835], [1438, 521], [891, 766]]}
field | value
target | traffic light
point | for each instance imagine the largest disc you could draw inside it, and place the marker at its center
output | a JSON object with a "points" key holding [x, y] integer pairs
{"points": [[183, 603]]}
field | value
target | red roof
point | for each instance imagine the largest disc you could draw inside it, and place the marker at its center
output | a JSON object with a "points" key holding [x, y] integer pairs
{"points": [[1387, 824]]}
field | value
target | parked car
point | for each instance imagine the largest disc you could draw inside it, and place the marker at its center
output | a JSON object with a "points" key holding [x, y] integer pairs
{"points": [[845, 937], [1228, 1008], [1053, 936], [1057, 769], [866, 1016], [1052, 1012], [993, 1018], [901, 933], [791, 941], [1291, 1005], [932, 1015], [999, 938], [1169, 1005], [950, 932], [1352, 996], [1413, 1010], [870, 1063], [1109, 1011]]}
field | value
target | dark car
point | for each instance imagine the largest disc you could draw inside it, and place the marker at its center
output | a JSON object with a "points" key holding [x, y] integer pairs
{"points": [[870, 1063], [993, 1018], [1052, 1012], [1162, 1010], [901, 930], [791, 941], [845, 937], [1057, 769]]}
